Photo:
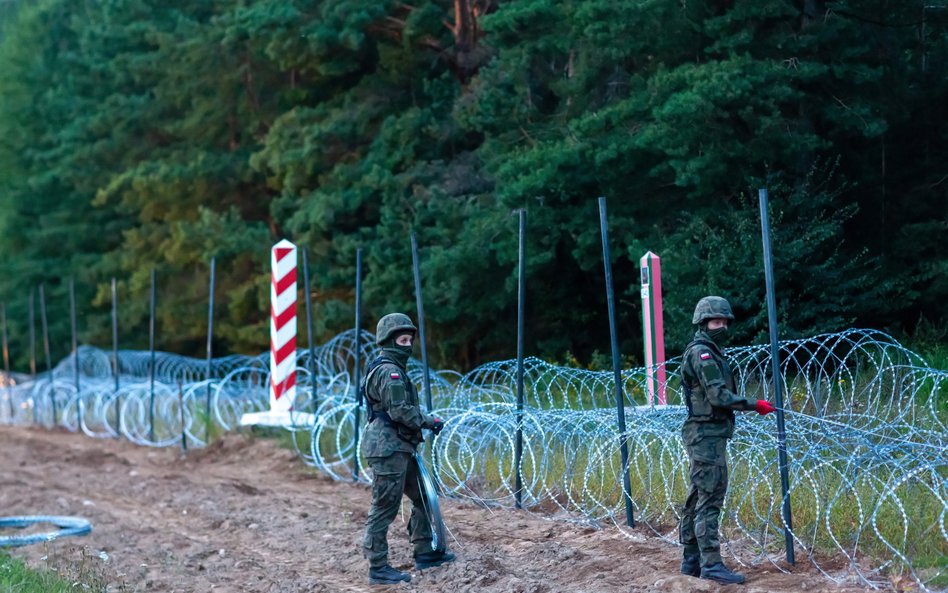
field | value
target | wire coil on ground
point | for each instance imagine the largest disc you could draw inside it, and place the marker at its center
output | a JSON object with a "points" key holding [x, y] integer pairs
{"points": [[68, 526]]}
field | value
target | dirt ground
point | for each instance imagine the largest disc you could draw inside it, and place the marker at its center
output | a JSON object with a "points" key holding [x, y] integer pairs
{"points": [[245, 515]]}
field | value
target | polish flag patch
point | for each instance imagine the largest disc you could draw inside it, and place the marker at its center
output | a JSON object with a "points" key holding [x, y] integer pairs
{"points": [[395, 376], [704, 356]]}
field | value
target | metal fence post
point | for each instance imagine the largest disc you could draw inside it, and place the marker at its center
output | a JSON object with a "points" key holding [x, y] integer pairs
{"points": [[616, 365], [778, 387], [151, 370], [73, 326], [116, 370], [49, 358], [426, 379], [309, 330], [521, 310], [6, 359], [358, 363], [210, 352]]}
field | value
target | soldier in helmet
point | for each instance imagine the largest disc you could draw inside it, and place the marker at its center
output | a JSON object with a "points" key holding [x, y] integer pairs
{"points": [[711, 398], [389, 443]]}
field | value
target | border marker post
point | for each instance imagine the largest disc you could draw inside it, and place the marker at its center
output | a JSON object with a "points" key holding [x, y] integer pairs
{"points": [[283, 327], [653, 328]]}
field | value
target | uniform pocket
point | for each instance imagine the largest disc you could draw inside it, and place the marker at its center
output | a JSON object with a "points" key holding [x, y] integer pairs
{"points": [[709, 478], [387, 489], [700, 406], [709, 450]]}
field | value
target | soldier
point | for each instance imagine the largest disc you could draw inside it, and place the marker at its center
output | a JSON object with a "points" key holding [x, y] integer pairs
{"points": [[711, 398], [389, 443]]}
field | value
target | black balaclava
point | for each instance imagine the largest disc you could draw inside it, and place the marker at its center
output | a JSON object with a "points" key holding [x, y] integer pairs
{"points": [[718, 336], [400, 354]]}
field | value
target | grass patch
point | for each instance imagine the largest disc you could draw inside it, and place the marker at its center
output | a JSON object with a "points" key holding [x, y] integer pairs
{"points": [[59, 575], [17, 576]]}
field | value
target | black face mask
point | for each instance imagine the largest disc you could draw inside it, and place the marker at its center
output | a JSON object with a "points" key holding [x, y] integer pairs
{"points": [[400, 354], [718, 335]]}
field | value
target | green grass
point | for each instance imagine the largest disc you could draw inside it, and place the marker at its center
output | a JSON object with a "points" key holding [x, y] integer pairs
{"points": [[930, 341], [17, 577], [213, 430]]}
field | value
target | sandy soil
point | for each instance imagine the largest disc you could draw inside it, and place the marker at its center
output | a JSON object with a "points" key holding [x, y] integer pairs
{"points": [[245, 515]]}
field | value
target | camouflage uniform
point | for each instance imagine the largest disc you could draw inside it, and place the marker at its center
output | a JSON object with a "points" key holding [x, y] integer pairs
{"points": [[389, 444], [711, 405]]}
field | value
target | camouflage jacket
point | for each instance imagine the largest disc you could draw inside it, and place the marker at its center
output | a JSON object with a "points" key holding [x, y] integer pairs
{"points": [[713, 393], [388, 390]]}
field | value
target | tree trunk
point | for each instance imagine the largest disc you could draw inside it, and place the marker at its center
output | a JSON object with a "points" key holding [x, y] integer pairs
{"points": [[469, 54]]}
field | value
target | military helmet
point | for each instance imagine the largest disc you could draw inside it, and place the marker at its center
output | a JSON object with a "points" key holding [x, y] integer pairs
{"points": [[392, 324], [712, 307]]}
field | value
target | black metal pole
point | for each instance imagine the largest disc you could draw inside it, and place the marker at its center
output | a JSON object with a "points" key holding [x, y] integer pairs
{"points": [[521, 309], [33, 345], [184, 436], [421, 320], [6, 350], [49, 358], [358, 363], [75, 346], [32, 308], [6, 358], [778, 387], [115, 359], [309, 330], [210, 353], [616, 366], [151, 370]]}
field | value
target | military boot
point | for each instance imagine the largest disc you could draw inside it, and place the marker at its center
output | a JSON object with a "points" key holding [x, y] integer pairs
{"points": [[432, 559], [387, 575], [721, 574], [691, 565]]}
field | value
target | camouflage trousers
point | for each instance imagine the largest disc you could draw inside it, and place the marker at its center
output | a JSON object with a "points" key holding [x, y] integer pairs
{"points": [[698, 530], [395, 475]]}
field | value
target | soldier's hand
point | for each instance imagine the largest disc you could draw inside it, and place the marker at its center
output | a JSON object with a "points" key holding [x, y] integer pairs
{"points": [[437, 425], [764, 407]]}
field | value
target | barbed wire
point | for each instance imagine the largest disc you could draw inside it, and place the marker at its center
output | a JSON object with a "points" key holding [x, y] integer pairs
{"points": [[865, 418]]}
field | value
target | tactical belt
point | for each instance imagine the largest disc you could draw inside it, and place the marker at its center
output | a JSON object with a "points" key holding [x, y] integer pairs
{"points": [[383, 417]]}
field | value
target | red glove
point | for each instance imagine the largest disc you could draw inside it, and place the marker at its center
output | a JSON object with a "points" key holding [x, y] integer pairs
{"points": [[764, 407]]}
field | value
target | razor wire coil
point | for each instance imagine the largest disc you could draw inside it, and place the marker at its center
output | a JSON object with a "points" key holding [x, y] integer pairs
{"points": [[865, 418]]}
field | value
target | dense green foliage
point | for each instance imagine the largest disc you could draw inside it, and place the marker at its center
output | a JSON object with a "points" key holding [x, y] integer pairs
{"points": [[144, 133]]}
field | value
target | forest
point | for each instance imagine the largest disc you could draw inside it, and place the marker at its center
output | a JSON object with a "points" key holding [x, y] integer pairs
{"points": [[157, 134]]}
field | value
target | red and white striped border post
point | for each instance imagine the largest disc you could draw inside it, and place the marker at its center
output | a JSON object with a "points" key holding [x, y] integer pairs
{"points": [[654, 328], [283, 327]]}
